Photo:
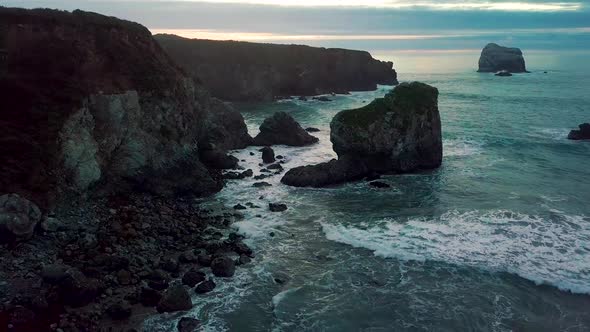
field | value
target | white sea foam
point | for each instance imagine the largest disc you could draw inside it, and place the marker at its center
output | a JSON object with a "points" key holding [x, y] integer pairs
{"points": [[553, 250], [461, 148], [277, 299]]}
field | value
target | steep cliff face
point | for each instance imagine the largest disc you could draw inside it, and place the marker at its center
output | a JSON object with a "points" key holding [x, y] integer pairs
{"points": [[240, 71], [91, 100], [399, 133], [495, 58]]}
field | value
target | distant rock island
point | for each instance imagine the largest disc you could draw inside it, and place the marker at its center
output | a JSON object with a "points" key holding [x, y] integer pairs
{"points": [[242, 71], [495, 58], [399, 133]]}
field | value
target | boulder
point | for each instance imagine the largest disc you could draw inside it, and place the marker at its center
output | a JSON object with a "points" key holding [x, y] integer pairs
{"points": [[277, 207], [582, 134], [205, 287], [399, 133], [192, 278], [77, 290], [149, 297], [379, 184], [176, 298], [268, 155], [312, 130], [119, 311], [223, 267], [495, 58], [282, 129], [18, 218], [218, 159], [188, 324]]}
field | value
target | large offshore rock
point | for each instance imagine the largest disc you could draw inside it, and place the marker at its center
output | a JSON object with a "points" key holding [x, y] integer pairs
{"points": [[240, 71], [282, 129], [18, 218], [399, 133], [496, 58]]}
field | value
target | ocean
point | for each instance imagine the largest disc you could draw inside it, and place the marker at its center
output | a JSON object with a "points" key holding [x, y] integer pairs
{"points": [[497, 239]]}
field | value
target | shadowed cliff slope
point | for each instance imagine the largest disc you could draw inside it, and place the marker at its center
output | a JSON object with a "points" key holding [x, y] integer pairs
{"points": [[242, 71], [89, 99]]}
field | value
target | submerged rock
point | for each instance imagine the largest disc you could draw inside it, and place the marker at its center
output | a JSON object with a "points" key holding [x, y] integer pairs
{"points": [[282, 129], [399, 133], [268, 155], [277, 207], [379, 184], [188, 324], [495, 58], [582, 134]]}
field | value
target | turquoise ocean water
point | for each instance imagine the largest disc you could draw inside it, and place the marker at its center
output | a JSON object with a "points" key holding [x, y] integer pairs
{"points": [[497, 239]]}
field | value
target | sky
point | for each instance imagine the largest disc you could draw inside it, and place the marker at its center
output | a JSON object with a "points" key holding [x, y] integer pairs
{"points": [[379, 25]]}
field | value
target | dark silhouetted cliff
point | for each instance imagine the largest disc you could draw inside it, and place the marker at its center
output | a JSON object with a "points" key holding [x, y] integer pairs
{"points": [[241, 71]]}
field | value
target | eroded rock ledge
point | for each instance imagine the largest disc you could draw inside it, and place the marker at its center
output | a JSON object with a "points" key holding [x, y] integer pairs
{"points": [[399, 133], [240, 71]]}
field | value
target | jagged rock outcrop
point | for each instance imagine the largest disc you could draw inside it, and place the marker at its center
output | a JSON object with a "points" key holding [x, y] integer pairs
{"points": [[495, 58], [399, 133], [582, 134], [241, 71], [282, 129], [92, 101]]}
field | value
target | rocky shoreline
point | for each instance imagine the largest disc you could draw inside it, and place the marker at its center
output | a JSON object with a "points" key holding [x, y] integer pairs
{"points": [[114, 262]]}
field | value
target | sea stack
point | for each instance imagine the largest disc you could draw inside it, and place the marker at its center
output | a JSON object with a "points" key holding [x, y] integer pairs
{"points": [[495, 58], [399, 133]]}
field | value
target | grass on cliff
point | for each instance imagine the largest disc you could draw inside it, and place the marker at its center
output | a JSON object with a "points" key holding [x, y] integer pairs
{"points": [[407, 97]]}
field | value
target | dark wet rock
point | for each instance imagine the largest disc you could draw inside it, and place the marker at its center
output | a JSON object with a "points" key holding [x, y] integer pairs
{"points": [[124, 277], [205, 287], [176, 298], [261, 184], [244, 259], [223, 267], [261, 177], [218, 159], [582, 134], [277, 207], [238, 175], [302, 98], [159, 284], [205, 260], [170, 264], [312, 130], [379, 184], [51, 224], [373, 177], [282, 129], [279, 157], [119, 311], [268, 155], [192, 278], [399, 133], [149, 297], [54, 273], [188, 324], [239, 207], [503, 73], [241, 248], [495, 58], [18, 218], [248, 173], [188, 257], [77, 290], [275, 167]]}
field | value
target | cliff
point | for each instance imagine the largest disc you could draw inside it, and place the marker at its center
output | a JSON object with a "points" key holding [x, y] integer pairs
{"points": [[242, 71], [399, 133], [495, 58], [93, 101]]}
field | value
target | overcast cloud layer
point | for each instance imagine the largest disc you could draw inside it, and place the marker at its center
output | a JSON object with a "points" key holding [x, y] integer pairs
{"points": [[369, 24]]}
